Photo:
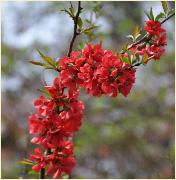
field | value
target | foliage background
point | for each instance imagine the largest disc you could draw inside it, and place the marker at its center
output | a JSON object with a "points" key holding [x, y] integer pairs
{"points": [[120, 138]]}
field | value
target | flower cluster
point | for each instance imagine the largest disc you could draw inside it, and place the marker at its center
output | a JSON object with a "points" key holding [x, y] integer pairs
{"points": [[98, 71], [155, 47], [59, 115], [57, 118]]}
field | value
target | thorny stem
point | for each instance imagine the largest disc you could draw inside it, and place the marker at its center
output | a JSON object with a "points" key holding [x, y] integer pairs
{"points": [[75, 33], [146, 37]]}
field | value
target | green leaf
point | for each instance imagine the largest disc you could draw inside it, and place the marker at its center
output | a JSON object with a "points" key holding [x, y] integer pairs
{"points": [[159, 16], [151, 14], [27, 162], [126, 60], [87, 31], [147, 14], [81, 45], [88, 21], [80, 23], [125, 48], [65, 176], [136, 31], [47, 59], [67, 12], [130, 36], [56, 63], [171, 12], [31, 172], [72, 11], [36, 63], [164, 5], [145, 58], [137, 36]]}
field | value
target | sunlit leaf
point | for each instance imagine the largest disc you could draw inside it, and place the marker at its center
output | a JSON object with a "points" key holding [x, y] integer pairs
{"points": [[159, 16], [171, 12], [138, 36], [145, 58], [31, 172], [131, 37], [81, 45], [36, 63], [80, 23], [126, 60], [151, 14], [164, 5], [47, 59], [72, 11], [27, 162], [136, 31]]}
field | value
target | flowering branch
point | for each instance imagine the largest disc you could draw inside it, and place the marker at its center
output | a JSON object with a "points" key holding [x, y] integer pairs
{"points": [[59, 114], [75, 33], [147, 36]]}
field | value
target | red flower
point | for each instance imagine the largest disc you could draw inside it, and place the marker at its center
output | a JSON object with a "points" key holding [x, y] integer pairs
{"points": [[154, 27], [161, 40], [40, 160], [127, 79], [69, 68], [61, 161]]}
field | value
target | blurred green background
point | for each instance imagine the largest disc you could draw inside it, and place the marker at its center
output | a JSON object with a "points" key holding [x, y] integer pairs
{"points": [[120, 137]]}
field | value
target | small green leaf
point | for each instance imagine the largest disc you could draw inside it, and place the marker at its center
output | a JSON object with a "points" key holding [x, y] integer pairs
{"points": [[27, 162], [151, 14], [126, 60], [87, 31], [171, 12], [144, 58], [159, 16], [31, 172], [65, 176], [136, 31], [147, 14], [48, 67], [131, 37], [88, 21], [137, 36], [67, 12], [137, 57], [81, 45], [72, 11], [164, 5], [36, 63], [56, 63], [80, 23], [47, 59]]}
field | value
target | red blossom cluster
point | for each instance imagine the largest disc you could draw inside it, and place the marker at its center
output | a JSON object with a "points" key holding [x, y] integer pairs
{"points": [[155, 48], [98, 71], [59, 116]]}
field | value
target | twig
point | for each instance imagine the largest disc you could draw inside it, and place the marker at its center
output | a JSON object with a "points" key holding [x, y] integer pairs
{"points": [[146, 37], [42, 173], [167, 18], [75, 33]]}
